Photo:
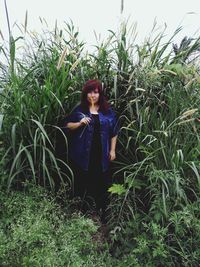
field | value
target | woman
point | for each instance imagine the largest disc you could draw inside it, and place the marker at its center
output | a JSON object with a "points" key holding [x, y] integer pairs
{"points": [[92, 128]]}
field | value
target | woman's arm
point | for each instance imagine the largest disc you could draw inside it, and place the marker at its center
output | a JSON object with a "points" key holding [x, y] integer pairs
{"points": [[113, 147], [76, 125], [73, 125]]}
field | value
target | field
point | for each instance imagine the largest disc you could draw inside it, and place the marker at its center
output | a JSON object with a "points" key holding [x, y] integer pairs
{"points": [[154, 87]]}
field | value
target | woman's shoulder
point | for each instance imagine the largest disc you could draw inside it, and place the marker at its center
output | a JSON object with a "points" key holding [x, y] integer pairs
{"points": [[77, 108], [111, 111]]}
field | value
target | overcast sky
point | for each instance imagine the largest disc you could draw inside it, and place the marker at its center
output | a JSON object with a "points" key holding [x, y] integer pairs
{"points": [[102, 15]]}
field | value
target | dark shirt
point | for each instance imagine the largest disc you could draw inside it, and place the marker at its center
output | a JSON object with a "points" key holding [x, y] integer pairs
{"points": [[96, 146]]}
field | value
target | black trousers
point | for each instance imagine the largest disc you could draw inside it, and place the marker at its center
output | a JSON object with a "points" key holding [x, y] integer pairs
{"points": [[91, 185]]}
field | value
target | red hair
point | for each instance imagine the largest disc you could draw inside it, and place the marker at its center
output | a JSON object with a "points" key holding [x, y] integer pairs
{"points": [[90, 86]]}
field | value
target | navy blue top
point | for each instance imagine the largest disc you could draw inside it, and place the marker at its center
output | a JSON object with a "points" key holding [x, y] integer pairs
{"points": [[80, 140]]}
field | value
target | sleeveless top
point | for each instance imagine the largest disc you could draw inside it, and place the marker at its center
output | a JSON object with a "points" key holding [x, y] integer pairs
{"points": [[96, 147]]}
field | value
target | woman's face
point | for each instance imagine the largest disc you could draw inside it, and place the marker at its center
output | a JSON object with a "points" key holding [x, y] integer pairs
{"points": [[93, 96]]}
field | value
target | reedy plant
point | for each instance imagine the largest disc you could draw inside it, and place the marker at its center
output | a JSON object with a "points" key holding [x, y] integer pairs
{"points": [[159, 102], [36, 92], [149, 90]]}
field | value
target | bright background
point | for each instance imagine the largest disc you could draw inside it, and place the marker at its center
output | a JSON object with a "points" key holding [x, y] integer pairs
{"points": [[101, 15]]}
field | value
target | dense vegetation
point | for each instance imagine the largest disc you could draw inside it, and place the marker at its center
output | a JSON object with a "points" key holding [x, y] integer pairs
{"points": [[154, 217], [35, 231]]}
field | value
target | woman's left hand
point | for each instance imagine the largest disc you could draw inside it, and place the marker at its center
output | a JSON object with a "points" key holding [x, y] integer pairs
{"points": [[112, 155]]}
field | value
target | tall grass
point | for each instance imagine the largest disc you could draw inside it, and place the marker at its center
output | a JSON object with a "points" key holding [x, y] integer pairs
{"points": [[34, 101], [150, 86]]}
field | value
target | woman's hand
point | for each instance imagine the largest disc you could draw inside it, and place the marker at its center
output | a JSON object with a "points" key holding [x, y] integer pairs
{"points": [[112, 155], [85, 121]]}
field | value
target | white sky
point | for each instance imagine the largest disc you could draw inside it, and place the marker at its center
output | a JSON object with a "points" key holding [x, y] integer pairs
{"points": [[102, 15]]}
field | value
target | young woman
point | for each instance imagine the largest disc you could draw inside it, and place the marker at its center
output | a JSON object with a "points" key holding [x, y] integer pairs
{"points": [[93, 129]]}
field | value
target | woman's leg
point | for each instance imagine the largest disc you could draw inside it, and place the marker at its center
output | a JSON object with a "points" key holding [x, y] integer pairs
{"points": [[79, 185], [102, 195]]}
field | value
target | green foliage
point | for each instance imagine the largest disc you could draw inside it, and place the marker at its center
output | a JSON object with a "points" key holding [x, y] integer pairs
{"points": [[35, 231], [167, 193], [117, 189], [35, 97], [146, 243]]}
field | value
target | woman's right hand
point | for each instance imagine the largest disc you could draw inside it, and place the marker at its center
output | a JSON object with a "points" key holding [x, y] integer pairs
{"points": [[85, 121]]}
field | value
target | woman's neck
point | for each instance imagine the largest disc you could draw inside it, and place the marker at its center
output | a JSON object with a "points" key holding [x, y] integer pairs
{"points": [[94, 109]]}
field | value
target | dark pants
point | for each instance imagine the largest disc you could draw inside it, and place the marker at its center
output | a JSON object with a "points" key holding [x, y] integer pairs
{"points": [[91, 185]]}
